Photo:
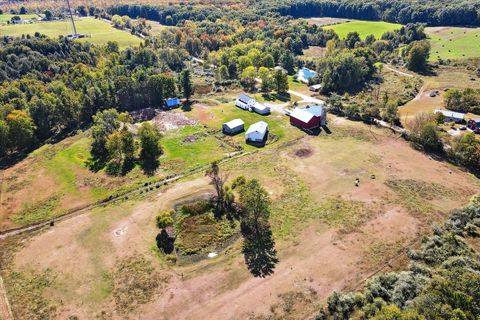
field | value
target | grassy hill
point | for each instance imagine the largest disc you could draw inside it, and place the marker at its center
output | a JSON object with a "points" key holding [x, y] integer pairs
{"points": [[454, 43], [99, 31]]}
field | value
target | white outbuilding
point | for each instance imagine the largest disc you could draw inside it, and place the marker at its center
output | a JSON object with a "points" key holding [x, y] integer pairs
{"points": [[260, 108], [257, 132], [233, 127]]}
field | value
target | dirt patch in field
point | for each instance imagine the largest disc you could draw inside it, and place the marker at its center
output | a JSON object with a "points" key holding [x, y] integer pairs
{"points": [[172, 120], [303, 153]]}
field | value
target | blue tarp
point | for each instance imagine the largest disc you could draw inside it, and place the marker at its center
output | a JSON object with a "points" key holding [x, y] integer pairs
{"points": [[172, 103]]}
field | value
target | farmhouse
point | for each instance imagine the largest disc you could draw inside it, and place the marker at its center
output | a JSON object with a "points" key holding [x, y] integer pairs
{"points": [[233, 127], [246, 103], [451, 116], [305, 74], [172, 103], [257, 132]]}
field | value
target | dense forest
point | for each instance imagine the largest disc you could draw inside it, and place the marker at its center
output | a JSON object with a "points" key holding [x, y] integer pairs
{"points": [[434, 13]]}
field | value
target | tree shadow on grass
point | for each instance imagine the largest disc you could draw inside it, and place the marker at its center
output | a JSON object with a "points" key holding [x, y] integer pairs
{"points": [[149, 167], [259, 250], [285, 97]]}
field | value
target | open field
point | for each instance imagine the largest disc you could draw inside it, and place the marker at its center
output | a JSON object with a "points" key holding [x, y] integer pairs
{"points": [[445, 78], [325, 21], [364, 28], [99, 31], [7, 17], [71, 184], [454, 42], [328, 232]]}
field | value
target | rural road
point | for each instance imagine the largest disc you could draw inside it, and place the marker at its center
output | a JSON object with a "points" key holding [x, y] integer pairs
{"points": [[306, 98]]}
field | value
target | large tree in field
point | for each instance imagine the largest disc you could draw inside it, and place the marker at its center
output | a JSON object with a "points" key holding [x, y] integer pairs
{"points": [[258, 245], [104, 124], [186, 84], [150, 147], [417, 56], [217, 179], [281, 82]]}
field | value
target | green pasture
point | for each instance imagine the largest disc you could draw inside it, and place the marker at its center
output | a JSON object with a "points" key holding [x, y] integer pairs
{"points": [[364, 28], [98, 31], [454, 43]]}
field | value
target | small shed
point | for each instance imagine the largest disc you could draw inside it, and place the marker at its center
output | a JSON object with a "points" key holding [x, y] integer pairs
{"points": [[451, 116], [260, 108], [303, 119], [315, 87], [305, 74], [233, 127], [172, 103], [257, 132]]}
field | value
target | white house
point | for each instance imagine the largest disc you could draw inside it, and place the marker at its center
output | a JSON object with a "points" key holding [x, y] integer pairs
{"points": [[451, 116], [233, 126], [257, 132], [305, 74], [246, 103]]}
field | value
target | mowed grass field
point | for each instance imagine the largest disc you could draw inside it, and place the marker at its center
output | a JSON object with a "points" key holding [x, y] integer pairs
{"points": [[7, 17], [453, 42], [364, 28], [99, 31]]}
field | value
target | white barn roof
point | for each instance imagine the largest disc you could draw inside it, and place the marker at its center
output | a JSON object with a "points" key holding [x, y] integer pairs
{"points": [[234, 123], [260, 127], [301, 115], [451, 114]]}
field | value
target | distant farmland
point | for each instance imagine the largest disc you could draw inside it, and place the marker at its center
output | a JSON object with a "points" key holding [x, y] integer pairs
{"points": [[99, 32], [364, 28], [454, 43]]}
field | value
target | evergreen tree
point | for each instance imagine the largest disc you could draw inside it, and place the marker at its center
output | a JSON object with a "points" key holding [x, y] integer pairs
{"points": [[186, 84]]}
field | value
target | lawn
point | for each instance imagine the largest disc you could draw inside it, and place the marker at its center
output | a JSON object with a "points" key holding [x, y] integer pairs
{"points": [[454, 43], [364, 28], [8, 17], [192, 147], [98, 31]]}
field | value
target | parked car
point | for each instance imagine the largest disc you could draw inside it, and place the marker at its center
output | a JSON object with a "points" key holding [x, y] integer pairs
{"points": [[463, 128]]}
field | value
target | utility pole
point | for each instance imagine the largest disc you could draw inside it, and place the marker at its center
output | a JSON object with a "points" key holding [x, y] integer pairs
{"points": [[73, 21]]}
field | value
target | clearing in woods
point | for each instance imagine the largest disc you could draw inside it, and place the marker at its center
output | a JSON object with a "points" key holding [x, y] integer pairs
{"points": [[98, 31], [329, 233], [364, 28], [453, 42]]}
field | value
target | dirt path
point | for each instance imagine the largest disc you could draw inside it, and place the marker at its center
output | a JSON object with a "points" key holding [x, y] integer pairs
{"points": [[5, 311], [399, 72]]}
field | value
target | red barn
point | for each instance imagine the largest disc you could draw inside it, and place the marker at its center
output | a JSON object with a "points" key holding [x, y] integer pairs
{"points": [[304, 119]]}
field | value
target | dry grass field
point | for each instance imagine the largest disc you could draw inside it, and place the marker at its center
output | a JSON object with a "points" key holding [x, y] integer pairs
{"points": [[330, 234], [445, 78]]}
